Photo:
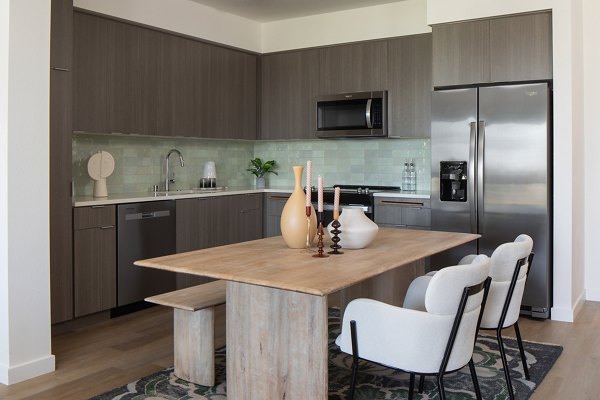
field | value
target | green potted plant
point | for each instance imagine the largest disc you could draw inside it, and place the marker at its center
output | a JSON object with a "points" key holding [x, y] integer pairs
{"points": [[260, 169]]}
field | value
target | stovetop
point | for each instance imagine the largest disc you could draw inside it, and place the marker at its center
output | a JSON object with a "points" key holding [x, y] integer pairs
{"points": [[362, 189]]}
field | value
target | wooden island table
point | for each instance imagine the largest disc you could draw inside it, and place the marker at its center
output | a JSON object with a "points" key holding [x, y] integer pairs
{"points": [[276, 302]]}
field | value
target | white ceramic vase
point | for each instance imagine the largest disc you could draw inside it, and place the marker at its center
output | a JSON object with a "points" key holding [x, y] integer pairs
{"points": [[358, 231]]}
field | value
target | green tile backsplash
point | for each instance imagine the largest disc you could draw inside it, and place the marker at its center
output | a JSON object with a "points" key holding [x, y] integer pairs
{"points": [[139, 161], [349, 161]]}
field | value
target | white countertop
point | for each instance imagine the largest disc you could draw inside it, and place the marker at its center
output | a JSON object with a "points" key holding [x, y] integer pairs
{"points": [[121, 198]]}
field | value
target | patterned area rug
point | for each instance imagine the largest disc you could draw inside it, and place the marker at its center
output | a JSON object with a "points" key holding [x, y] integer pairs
{"points": [[374, 381]]}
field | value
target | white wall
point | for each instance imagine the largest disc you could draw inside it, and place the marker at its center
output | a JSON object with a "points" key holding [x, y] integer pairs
{"points": [[440, 11], [591, 65], [183, 16], [4, 327], [388, 20], [24, 241], [578, 174]]}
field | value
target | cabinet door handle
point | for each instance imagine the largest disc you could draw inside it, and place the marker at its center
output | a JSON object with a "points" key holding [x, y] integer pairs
{"points": [[403, 204], [107, 227], [98, 206], [60, 69], [279, 197]]}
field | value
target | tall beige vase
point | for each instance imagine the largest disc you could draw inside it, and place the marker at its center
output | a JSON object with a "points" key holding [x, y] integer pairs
{"points": [[293, 218]]}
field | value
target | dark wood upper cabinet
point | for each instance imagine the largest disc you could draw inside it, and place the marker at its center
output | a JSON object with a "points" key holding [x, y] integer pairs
{"points": [[61, 34], [461, 53], [97, 56], [228, 103], [290, 84], [521, 47], [353, 68], [505, 49], [132, 79], [184, 69], [409, 86]]}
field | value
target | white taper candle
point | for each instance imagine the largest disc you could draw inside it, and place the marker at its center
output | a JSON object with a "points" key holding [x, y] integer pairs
{"points": [[320, 193], [336, 203], [308, 182]]}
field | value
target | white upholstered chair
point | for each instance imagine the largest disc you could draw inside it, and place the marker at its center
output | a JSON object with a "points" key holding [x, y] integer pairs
{"points": [[433, 341], [509, 269]]}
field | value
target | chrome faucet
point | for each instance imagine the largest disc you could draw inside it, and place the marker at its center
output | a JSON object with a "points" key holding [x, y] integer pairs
{"points": [[167, 179]]}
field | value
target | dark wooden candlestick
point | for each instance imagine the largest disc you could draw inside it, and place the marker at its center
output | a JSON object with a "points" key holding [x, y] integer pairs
{"points": [[320, 252], [335, 246]]}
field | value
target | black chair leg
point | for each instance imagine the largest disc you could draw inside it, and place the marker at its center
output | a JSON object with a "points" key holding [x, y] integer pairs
{"points": [[522, 351], [353, 382], [474, 378], [354, 360], [440, 383], [411, 386], [505, 364], [421, 383]]}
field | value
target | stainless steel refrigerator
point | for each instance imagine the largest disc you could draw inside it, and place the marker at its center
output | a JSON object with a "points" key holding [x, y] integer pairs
{"points": [[491, 174]]}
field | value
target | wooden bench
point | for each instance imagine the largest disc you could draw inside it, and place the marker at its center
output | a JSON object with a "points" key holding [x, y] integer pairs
{"points": [[194, 329]]}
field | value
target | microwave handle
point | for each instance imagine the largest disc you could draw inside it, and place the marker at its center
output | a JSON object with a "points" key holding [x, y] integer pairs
{"points": [[368, 114]]}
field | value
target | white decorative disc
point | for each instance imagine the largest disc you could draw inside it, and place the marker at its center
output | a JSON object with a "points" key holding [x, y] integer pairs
{"points": [[101, 165]]}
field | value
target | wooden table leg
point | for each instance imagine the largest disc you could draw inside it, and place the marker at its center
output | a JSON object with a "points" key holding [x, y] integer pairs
{"points": [[276, 344]]}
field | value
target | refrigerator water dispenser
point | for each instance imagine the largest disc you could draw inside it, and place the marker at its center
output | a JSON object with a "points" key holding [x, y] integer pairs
{"points": [[453, 181]]}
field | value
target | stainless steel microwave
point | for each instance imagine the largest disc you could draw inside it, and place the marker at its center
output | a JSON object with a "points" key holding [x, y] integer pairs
{"points": [[348, 115]]}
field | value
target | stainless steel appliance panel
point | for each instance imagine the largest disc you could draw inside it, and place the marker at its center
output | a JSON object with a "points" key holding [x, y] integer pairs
{"points": [[513, 183], [360, 114], [509, 174], [144, 230], [453, 136]]}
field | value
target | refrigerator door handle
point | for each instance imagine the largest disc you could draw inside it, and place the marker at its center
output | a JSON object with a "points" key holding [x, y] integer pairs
{"points": [[480, 174], [472, 182]]}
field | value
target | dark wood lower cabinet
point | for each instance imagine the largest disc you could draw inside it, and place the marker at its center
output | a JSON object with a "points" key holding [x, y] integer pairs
{"points": [[192, 233], [216, 221], [274, 203], [95, 270], [94, 260]]}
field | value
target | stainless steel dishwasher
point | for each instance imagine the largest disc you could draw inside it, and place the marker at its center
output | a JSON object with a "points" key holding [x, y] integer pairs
{"points": [[144, 230]]}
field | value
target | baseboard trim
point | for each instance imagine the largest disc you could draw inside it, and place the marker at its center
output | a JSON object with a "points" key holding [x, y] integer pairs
{"points": [[25, 371], [579, 304], [592, 294], [562, 314]]}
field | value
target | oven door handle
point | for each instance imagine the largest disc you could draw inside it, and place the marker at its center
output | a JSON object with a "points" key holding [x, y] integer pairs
{"points": [[368, 114], [366, 209]]}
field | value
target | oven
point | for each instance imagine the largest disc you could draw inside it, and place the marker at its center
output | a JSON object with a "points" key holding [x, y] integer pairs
{"points": [[350, 195]]}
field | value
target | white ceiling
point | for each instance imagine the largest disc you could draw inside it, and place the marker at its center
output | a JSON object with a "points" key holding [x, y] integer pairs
{"points": [[273, 10]]}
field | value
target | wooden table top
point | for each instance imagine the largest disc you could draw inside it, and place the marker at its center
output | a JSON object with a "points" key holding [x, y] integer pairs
{"points": [[269, 262]]}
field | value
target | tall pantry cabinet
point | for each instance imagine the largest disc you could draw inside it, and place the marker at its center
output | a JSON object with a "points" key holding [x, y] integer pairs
{"points": [[61, 242]]}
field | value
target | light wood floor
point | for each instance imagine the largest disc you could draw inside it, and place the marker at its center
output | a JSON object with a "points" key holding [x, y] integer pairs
{"points": [[109, 354]]}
